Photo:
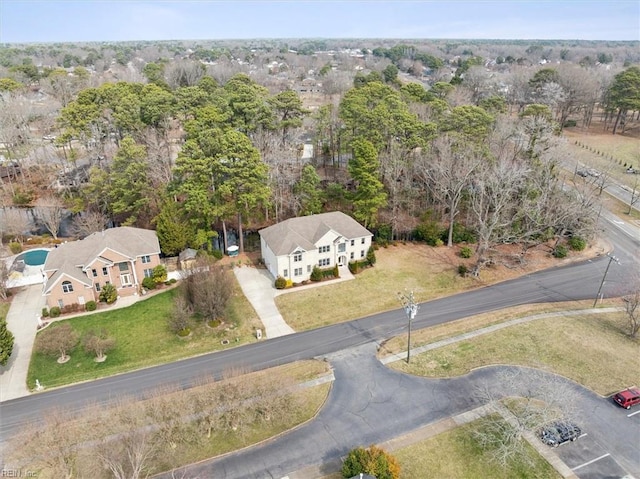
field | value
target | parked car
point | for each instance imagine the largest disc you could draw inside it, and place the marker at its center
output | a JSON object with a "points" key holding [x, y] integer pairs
{"points": [[559, 432], [627, 398]]}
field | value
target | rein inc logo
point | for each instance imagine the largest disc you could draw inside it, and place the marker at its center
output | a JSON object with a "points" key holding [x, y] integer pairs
{"points": [[17, 473]]}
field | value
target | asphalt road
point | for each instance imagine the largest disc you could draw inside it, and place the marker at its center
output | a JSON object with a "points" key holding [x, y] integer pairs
{"points": [[382, 404], [577, 281]]}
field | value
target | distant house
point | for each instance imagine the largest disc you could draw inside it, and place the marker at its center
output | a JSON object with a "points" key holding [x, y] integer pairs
{"points": [[76, 272], [293, 247]]}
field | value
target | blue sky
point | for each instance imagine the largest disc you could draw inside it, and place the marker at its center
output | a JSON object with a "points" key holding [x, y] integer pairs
{"points": [[120, 20]]}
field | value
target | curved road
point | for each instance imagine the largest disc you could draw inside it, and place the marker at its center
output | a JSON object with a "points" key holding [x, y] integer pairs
{"points": [[384, 403], [577, 281]]}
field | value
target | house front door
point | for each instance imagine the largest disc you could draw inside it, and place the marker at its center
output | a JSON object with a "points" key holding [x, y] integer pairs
{"points": [[342, 260]]}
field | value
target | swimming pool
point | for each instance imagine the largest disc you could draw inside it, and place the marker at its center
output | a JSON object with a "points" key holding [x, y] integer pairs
{"points": [[34, 257]]}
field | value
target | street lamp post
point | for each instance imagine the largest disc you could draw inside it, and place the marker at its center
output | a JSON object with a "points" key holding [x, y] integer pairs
{"points": [[604, 277], [411, 309]]}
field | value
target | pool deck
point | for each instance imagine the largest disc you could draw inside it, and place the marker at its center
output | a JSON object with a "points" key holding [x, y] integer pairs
{"points": [[30, 275]]}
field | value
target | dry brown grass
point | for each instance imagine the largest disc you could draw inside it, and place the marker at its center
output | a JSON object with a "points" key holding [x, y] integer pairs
{"points": [[430, 272], [583, 348], [607, 152]]}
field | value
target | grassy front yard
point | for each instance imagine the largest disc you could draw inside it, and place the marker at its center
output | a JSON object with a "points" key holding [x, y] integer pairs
{"points": [[143, 339], [583, 348]]}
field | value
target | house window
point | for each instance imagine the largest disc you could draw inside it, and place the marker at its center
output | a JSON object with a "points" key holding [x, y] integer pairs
{"points": [[125, 279], [308, 268], [351, 256], [94, 273], [285, 273], [297, 257], [148, 273], [98, 287], [60, 303], [146, 259], [362, 253], [297, 272], [324, 262], [353, 242], [342, 247], [67, 287], [362, 241], [124, 266], [324, 249], [104, 271]]}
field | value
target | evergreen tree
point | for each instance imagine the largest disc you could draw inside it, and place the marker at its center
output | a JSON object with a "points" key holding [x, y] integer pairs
{"points": [[6, 342]]}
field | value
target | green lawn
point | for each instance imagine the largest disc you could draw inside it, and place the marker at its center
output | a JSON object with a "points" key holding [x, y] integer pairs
{"points": [[4, 309], [143, 339], [456, 454]]}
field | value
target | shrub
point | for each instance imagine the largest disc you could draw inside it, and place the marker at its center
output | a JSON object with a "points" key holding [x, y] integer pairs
{"points": [[15, 247], [316, 274], [45, 312], [570, 123], [108, 294], [373, 460], [55, 312], [463, 270], [460, 234], [336, 271], [371, 256], [353, 267], [429, 232], [384, 232], [439, 243], [280, 283], [217, 254], [90, 306], [173, 281], [560, 251], [576, 243], [183, 333], [466, 252], [70, 308], [289, 283], [22, 197], [159, 274], [149, 283]]}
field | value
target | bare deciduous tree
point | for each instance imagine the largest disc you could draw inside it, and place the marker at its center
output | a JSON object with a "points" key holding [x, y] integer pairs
{"points": [[57, 339], [99, 343], [4, 277], [533, 399], [632, 311], [89, 222], [208, 289], [49, 210], [13, 222]]}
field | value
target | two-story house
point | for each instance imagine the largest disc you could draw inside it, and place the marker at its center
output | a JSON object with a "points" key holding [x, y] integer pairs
{"points": [[293, 247], [76, 272]]}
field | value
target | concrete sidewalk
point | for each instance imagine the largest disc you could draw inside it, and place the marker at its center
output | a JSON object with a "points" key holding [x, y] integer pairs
{"points": [[22, 321]]}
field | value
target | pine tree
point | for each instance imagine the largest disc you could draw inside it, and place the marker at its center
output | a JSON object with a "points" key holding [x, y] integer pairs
{"points": [[6, 342]]}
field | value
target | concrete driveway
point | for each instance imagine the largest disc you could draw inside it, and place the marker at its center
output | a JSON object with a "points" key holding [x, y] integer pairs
{"points": [[257, 286], [22, 320]]}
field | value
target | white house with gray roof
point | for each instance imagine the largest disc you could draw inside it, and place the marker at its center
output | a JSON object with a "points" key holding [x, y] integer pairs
{"points": [[76, 272], [293, 247]]}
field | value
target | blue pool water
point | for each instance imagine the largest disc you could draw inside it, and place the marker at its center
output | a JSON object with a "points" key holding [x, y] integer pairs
{"points": [[35, 257]]}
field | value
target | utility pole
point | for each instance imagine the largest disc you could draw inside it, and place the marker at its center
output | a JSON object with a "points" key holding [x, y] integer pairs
{"points": [[604, 277], [411, 309]]}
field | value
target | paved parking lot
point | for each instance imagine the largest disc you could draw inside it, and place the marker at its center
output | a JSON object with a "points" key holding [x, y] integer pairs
{"points": [[590, 458]]}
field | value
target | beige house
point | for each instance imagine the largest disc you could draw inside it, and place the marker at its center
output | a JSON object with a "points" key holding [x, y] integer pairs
{"points": [[76, 272], [293, 247]]}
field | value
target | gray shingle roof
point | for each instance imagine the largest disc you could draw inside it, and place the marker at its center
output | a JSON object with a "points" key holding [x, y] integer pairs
{"points": [[303, 232], [70, 258]]}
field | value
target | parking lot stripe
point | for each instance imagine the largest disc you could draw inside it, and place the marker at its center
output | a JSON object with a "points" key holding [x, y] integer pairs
{"points": [[582, 435], [633, 413], [590, 462]]}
